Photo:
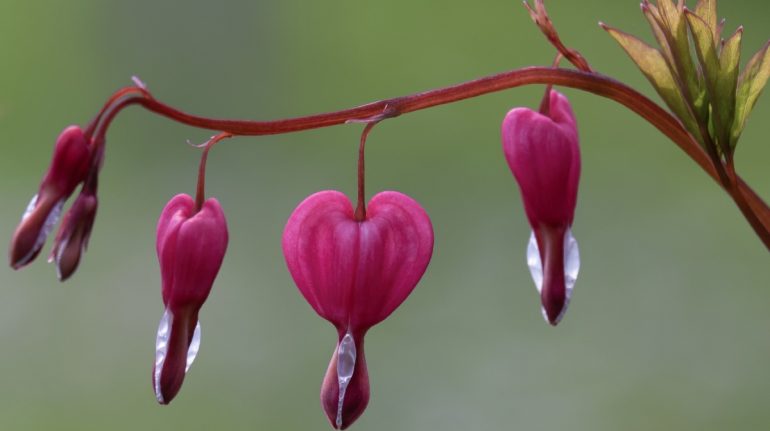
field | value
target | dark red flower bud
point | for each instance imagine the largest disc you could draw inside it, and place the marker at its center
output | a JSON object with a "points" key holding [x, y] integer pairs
{"points": [[69, 167], [74, 232], [191, 246]]}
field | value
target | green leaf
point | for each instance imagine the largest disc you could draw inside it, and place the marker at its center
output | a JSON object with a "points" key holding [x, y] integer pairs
{"points": [[750, 85], [674, 25], [653, 17], [707, 10], [703, 36], [729, 65], [656, 70]]}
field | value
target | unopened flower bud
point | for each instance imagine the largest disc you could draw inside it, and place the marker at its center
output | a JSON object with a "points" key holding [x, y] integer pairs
{"points": [[69, 167], [543, 153], [74, 232], [191, 246]]}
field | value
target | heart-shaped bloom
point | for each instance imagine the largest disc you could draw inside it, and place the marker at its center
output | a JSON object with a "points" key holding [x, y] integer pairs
{"points": [[355, 274], [543, 153], [191, 245], [69, 167]]}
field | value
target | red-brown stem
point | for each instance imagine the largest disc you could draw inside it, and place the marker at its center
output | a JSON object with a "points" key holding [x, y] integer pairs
{"points": [[540, 17], [123, 92], [200, 192], [587, 81], [742, 198], [360, 214]]}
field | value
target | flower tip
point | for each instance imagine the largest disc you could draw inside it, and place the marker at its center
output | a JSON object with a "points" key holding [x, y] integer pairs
{"points": [[26, 245], [553, 315], [164, 398], [64, 272], [15, 263], [176, 347], [345, 389], [355, 403]]}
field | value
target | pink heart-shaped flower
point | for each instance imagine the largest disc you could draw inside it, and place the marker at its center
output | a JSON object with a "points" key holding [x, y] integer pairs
{"points": [[543, 152], [355, 274]]}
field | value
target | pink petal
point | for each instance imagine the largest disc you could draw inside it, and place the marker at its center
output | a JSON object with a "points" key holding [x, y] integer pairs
{"points": [[544, 156], [178, 209], [355, 274], [201, 243]]}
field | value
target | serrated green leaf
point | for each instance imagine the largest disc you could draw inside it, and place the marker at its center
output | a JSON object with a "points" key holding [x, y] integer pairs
{"points": [[729, 65], [707, 10], [674, 25], [654, 67], [750, 85]]}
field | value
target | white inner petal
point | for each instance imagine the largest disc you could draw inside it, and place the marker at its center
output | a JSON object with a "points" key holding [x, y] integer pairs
{"points": [[30, 208], [58, 255], [50, 222], [195, 345], [161, 348], [571, 267], [346, 364]]}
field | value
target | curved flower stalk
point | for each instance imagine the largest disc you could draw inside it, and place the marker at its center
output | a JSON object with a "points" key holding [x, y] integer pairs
{"points": [[355, 273], [543, 153], [191, 244]]}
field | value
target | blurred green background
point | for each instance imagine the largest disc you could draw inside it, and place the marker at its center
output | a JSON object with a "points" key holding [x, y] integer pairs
{"points": [[668, 328]]}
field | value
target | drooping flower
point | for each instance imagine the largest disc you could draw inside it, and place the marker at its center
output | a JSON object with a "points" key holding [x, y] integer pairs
{"points": [[69, 167], [74, 233], [75, 230], [191, 245], [543, 153], [355, 274]]}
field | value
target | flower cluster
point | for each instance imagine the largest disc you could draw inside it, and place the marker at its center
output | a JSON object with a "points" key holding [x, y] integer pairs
{"points": [[354, 267], [76, 160]]}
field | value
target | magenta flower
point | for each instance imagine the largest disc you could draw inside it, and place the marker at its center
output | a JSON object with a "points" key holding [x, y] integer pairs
{"points": [[69, 167], [355, 274], [543, 153], [191, 245]]}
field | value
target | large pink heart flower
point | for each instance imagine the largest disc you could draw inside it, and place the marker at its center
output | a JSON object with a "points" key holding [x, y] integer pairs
{"points": [[355, 274]]}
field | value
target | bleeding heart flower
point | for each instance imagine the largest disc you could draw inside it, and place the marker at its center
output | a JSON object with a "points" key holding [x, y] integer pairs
{"points": [[355, 274], [69, 167], [543, 153], [191, 245]]}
